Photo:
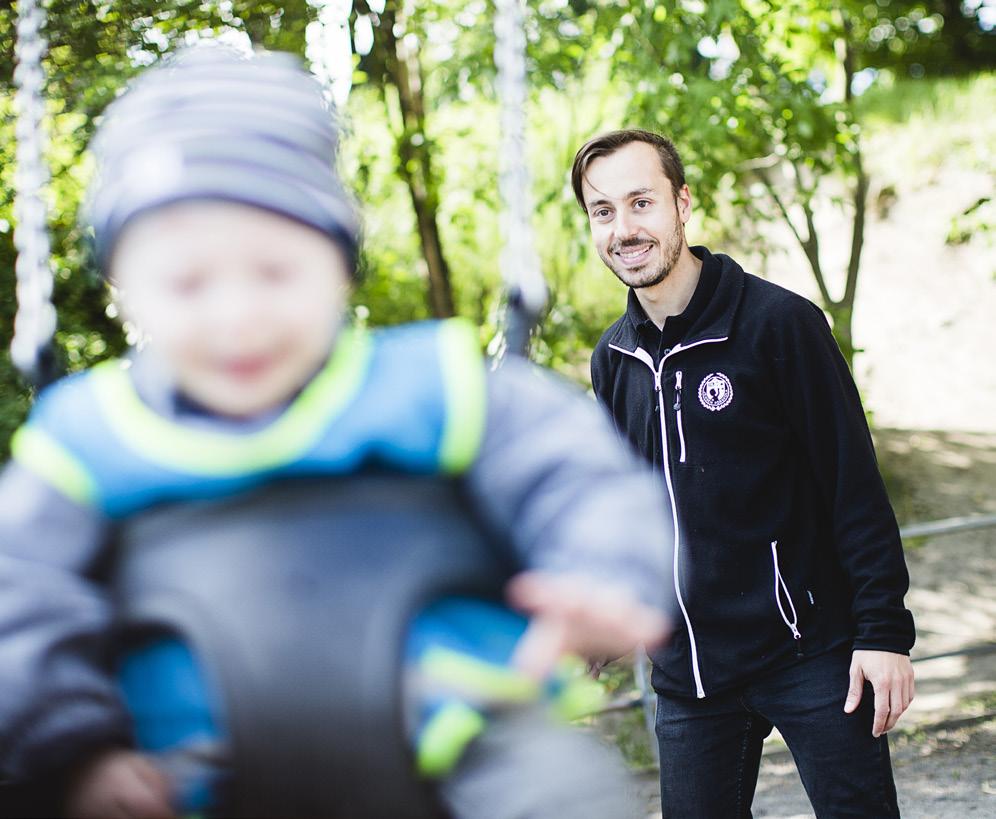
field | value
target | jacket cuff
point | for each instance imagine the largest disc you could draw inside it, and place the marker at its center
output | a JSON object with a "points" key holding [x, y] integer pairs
{"points": [[896, 634]]}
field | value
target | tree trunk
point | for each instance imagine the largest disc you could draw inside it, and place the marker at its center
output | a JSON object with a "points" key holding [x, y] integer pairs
{"points": [[841, 311], [841, 315], [403, 72]]}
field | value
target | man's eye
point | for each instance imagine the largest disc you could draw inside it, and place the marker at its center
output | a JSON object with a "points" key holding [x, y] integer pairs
{"points": [[601, 213], [642, 203]]}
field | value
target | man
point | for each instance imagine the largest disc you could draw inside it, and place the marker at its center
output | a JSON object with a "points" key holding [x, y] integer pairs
{"points": [[788, 567]]}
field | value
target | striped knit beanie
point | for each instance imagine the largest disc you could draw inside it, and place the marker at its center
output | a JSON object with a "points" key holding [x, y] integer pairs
{"points": [[212, 124]]}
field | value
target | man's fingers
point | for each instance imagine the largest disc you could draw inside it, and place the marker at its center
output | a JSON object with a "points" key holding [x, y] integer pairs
{"points": [[882, 709], [854, 689], [891, 676], [896, 706], [900, 698]]}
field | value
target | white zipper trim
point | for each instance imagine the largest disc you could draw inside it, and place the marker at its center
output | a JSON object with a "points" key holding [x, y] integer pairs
{"points": [[642, 355], [677, 407], [780, 586]]}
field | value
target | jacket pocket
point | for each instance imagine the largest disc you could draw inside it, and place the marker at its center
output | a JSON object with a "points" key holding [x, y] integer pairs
{"points": [[783, 599]]}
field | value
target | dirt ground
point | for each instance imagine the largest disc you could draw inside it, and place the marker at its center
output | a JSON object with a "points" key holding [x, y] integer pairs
{"points": [[944, 749]]}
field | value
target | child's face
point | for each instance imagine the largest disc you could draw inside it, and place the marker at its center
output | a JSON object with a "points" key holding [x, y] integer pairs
{"points": [[242, 304]]}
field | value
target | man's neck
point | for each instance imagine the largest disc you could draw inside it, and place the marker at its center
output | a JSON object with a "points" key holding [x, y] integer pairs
{"points": [[671, 296]]}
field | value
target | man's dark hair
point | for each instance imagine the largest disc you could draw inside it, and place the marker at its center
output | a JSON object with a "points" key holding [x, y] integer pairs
{"points": [[609, 143]]}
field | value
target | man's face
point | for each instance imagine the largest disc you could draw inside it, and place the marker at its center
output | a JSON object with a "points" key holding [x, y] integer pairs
{"points": [[242, 305], [637, 221]]}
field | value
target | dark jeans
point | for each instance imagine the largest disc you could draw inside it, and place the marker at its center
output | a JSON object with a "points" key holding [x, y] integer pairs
{"points": [[711, 748]]}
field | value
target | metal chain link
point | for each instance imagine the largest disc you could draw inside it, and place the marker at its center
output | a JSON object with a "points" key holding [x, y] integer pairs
{"points": [[518, 261], [34, 325]]}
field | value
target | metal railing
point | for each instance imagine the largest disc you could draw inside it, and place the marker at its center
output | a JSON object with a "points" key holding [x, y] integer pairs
{"points": [[947, 526]]}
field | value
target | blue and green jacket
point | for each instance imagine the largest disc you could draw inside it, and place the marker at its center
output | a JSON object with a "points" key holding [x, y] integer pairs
{"points": [[409, 399], [538, 461]]}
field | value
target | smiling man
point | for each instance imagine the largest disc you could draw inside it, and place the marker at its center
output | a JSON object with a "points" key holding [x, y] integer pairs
{"points": [[788, 567]]}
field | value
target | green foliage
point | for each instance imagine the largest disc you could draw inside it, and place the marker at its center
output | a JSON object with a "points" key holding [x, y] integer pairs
{"points": [[924, 37], [592, 65], [902, 101], [978, 219]]}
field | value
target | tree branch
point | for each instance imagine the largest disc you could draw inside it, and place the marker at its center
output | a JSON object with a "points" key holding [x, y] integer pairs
{"points": [[808, 243]]}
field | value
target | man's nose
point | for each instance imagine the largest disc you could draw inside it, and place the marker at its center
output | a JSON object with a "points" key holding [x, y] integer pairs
{"points": [[625, 226]]}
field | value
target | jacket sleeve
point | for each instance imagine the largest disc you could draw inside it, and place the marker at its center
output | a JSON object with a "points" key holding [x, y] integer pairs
{"points": [[59, 701], [825, 414], [599, 376], [553, 476]]}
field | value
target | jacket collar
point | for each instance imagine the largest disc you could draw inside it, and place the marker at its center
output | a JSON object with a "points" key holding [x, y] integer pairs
{"points": [[715, 320]]}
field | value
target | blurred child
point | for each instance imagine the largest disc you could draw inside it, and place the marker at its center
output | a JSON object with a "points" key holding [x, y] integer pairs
{"points": [[220, 221]]}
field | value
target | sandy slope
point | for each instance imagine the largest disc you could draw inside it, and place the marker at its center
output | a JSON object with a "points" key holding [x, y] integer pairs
{"points": [[926, 310]]}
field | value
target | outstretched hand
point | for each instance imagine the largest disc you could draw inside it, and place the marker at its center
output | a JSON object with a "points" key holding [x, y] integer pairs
{"points": [[574, 615], [891, 676], [119, 784]]}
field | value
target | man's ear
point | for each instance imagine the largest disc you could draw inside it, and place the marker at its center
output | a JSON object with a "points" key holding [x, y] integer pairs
{"points": [[683, 201]]}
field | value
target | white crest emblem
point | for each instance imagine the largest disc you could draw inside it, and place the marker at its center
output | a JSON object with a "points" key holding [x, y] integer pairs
{"points": [[715, 392]]}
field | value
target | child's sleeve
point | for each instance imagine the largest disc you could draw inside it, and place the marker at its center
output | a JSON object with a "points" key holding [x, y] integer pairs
{"points": [[59, 701], [553, 475]]}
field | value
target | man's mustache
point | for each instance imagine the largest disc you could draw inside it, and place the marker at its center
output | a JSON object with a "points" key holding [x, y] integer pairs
{"points": [[629, 243]]}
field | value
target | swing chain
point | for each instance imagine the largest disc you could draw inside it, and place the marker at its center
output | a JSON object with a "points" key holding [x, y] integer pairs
{"points": [[35, 323], [527, 293]]}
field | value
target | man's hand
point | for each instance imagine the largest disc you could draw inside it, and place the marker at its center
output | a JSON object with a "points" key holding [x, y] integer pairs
{"points": [[575, 615], [119, 784], [891, 676]]}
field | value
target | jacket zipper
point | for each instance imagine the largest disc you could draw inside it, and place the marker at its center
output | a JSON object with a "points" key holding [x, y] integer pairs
{"points": [[677, 410], [642, 355], [780, 586]]}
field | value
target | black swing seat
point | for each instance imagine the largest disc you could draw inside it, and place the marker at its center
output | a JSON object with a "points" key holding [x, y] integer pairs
{"points": [[296, 598]]}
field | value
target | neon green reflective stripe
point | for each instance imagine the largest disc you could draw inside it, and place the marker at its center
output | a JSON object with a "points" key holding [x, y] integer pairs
{"points": [[202, 452], [463, 384], [579, 697], [445, 736], [46, 457], [476, 678]]}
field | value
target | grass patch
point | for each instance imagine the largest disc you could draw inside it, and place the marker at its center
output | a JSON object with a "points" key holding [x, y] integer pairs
{"points": [[920, 132], [626, 729], [980, 704], [904, 101]]}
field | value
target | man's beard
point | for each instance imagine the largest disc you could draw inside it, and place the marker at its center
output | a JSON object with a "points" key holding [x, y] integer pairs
{"points": [[641, 277]]}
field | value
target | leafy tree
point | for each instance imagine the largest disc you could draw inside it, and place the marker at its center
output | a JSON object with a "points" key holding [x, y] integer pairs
{"points": [[760, 96], [395, 66], [734, 82], [923, 37]]}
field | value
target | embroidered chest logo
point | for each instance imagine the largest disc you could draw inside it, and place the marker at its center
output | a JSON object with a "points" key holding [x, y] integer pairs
{"points": [[715, 392]]}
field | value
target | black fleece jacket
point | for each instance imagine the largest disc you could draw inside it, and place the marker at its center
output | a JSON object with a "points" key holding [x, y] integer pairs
{"points": [[785, 543]]}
